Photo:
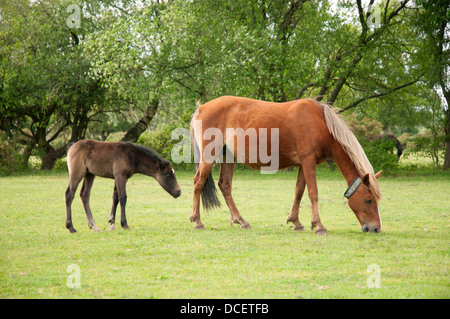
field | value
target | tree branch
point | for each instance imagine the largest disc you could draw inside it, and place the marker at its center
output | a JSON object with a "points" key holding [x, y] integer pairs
{"points": [[354, 104], [55, 135], [303, 89]]}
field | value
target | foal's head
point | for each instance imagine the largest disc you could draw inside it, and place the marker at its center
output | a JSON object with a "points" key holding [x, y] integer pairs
{"points": [[165, 175], [364, 203]]}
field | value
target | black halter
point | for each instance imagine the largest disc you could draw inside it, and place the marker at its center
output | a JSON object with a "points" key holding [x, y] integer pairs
{"points": [[352, 188]]}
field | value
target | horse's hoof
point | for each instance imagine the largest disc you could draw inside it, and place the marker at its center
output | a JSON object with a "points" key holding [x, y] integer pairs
{"points": [[321, 232], [72, 230], [246, 226], [95, 229], [299, 228], [200, 226], [112, 227]]}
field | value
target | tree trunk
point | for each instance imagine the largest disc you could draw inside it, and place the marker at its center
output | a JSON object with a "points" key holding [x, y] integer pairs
{"points": [[50, 157], [447, 153], [133, 133], [447, 135]]}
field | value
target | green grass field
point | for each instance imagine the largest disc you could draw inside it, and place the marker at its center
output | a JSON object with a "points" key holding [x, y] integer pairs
{"points": [[163, 257]]}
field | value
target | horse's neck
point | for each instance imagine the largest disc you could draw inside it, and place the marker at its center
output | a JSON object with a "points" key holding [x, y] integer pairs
{"points": [[344, 163], [146, 167]]}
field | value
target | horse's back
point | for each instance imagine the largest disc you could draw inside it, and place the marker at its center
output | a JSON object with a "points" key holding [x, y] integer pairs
{"points": [[247, 110], [95, 157], [301, 124]]}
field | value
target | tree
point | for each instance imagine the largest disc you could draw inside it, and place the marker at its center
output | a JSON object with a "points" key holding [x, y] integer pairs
{"points": [[434, 31], [43, 90], [127, 58]]}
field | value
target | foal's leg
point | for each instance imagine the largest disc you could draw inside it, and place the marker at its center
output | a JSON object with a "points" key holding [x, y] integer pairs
{"points": [[226, 176], [112, 215], [309, 171], [121, 182], [299, 189], [199, 181], [85, 194], [70, 193]]}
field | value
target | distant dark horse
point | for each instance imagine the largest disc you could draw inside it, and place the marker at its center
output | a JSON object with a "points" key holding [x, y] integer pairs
{"points": [[391, 137], [119, 161]]}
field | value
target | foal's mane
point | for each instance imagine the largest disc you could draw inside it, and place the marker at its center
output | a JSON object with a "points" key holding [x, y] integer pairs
{"points": [[148, 151], [340, 130]]}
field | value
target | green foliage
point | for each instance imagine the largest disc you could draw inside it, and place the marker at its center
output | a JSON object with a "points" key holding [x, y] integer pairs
{"points": [[382, 154], [59, 83], [429, 145], [10, 158], [161, 141]]}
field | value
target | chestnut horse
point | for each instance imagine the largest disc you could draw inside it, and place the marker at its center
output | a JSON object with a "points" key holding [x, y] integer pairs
{"points": [[308, 134], [87, 159]]}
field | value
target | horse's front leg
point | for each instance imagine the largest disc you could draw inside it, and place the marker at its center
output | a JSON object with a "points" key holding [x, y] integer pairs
{"points": [[309, 171], [112, 215], [121, 182], [299, 190]]}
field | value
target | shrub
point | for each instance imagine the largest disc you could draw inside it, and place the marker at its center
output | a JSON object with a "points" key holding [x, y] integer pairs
{"points": [[161, 141], [10, 158], [381, 155]]}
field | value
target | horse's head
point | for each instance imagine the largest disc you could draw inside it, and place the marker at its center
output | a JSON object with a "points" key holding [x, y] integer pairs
{"points": [[166, 178], [364, 204]]}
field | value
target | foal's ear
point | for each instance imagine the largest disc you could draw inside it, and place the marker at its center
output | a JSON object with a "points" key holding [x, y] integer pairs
{"points": [[162, 164]]}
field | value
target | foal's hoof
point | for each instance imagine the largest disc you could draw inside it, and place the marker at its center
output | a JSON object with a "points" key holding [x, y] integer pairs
{"points": [[321, 232], [299, 228], [95, 229], [199, 226], [112, 227], [246, 226]]}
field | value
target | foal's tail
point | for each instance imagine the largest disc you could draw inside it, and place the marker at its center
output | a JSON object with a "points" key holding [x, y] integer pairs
{"points": [[209, 191]]}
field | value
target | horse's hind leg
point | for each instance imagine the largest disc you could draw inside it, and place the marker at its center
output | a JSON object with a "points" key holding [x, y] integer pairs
{"points": [[112, 215], [85, 194], [70, 193], [225, 180], [200, 177], [299, 189]]}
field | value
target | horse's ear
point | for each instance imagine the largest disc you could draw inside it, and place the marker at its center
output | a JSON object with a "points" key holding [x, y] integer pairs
{"points": [[162, 164], [366, 180], [377, 175]]}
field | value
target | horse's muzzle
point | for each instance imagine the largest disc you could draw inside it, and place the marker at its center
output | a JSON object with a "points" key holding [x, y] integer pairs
{"points": [[372, 229], [176, 193]]}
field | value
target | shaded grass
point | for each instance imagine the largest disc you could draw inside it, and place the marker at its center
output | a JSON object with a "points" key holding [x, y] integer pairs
{"points": [[163, 257]]}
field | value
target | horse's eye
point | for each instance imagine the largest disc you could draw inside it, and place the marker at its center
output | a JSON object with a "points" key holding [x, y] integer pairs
{"points": [[368, 201]]}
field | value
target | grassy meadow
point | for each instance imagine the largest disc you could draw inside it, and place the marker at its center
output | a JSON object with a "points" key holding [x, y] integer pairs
{"points": [[162, 256]]}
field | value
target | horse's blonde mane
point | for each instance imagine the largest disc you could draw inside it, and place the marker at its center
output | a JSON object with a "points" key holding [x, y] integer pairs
{"points": [[342, 133]]}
